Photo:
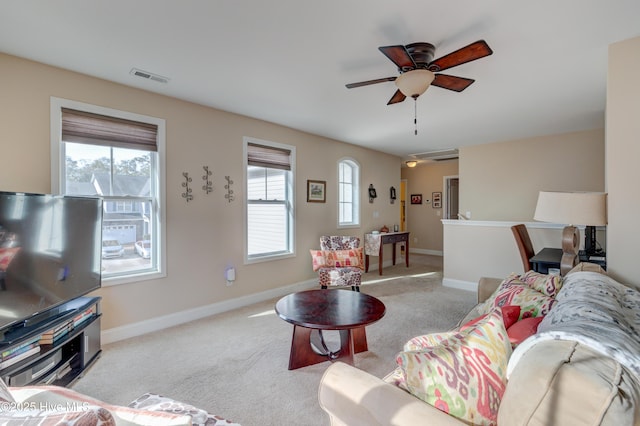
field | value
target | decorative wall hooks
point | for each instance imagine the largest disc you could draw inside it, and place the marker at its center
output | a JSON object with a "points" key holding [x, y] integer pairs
{"points": [[229, 195], [187, 191], [208, 185]]}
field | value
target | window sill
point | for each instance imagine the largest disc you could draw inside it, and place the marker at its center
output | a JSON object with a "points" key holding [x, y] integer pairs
{"points": [[268, 258], [132, 278], [355, 225]]}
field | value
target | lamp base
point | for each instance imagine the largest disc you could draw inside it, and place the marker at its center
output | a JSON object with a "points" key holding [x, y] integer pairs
{"points": [[570, 244]]}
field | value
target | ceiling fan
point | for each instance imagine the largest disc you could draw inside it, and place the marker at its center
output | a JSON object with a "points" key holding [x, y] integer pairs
{"points": [[418, 69]]}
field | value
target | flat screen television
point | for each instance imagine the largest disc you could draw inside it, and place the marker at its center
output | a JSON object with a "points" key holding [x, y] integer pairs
{"points": [[50, 253]]}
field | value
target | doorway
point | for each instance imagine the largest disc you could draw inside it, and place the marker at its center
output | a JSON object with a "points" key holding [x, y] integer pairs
{"points": [[451, 185], [403, 205]]}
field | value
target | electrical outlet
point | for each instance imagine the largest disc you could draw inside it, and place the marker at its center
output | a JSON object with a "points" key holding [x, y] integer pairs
{"points": [[230, 275]]}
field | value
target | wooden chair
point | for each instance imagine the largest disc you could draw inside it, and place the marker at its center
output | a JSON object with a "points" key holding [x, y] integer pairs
{"points": [[523, 242]]}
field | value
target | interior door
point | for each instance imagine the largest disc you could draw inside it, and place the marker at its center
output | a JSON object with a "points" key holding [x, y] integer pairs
{"points": [[452, 198]]}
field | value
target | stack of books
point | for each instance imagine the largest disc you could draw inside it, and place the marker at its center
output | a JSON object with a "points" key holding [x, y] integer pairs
{"points": [[83, 316], [53, 334], [50, 336], [15, 354]]}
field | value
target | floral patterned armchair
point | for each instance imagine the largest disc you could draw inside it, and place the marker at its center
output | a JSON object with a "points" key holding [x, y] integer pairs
{"points": [[339, 262]]}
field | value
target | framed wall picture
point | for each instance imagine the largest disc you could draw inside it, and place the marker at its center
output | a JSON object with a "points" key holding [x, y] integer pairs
{"points": [[416, 198], [316, 191], [437, 200]]}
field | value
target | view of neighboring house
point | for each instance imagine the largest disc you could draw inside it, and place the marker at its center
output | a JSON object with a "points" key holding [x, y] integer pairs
{"points": [[124, 221]]}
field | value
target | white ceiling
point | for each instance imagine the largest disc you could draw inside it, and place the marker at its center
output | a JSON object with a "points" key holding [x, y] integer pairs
{"points": [[287, 61]]}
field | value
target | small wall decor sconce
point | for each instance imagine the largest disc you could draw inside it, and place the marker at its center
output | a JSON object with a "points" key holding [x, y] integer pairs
{"points": [[187, 191], [392, 194], [208, 185], [372, 193], [229, 195]]}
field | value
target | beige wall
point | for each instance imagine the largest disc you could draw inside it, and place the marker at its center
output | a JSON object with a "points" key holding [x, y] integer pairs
{"points": [[620, 170], [423, 221], [204, 236], [474, 249], [501, 181], [623, 154], [499, 184]]}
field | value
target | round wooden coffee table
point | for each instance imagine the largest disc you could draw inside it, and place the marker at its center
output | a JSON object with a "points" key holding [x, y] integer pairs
{"points": [[312, 311]]}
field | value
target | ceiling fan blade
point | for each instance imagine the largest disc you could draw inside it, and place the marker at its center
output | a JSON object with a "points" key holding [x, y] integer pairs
{"points": [[451, 82], [397, 97], [368, 82], [469, 53], [399, 56]]}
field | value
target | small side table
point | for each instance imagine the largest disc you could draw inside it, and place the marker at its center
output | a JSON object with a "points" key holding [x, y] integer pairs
{"points": [[373, 245]]}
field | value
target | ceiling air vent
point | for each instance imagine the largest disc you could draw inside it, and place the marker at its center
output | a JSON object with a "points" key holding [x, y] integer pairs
{"points": [[445, 154], [148, 75]]}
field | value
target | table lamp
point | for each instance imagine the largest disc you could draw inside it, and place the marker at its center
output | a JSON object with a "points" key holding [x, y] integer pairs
{"points": [[572, 208]]}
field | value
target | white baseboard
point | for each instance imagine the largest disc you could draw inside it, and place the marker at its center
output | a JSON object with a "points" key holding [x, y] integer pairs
{"points": [[459, 284], [160, 323], [426, 251]]}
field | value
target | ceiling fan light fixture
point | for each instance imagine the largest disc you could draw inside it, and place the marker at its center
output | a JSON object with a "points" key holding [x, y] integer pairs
{"points": [[412, 163], [415, 82]]}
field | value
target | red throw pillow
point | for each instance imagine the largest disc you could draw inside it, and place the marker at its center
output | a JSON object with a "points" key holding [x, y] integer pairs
{"points": [[522, 329], [510, 315]]}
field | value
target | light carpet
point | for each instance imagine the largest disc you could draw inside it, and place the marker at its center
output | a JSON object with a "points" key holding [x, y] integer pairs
{"points": [[235, 364]]}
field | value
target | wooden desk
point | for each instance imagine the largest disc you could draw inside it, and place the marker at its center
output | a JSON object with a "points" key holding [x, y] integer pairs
{"points": [[374, 243], [551, 257], [545, 259]]}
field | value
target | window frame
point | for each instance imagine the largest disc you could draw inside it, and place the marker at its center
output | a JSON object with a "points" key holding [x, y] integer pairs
{"points": [[57, 178], [291, 198], [355, 202]]}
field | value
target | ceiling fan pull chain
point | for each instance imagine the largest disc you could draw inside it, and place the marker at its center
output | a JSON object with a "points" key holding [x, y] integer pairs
{"points": [[415, 115]]}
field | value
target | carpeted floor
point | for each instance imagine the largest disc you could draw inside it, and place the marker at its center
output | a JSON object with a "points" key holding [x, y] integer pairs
{"points": [[235, 364]]}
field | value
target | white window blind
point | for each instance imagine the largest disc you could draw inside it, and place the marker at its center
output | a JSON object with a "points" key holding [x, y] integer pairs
{"points": [[269, 201]]}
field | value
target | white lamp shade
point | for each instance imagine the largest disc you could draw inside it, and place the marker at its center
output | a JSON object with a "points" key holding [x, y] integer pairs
{"points": [[415, 82], [575, 208]]}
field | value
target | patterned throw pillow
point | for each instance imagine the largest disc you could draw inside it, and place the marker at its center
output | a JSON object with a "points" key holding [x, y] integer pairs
{"points": [[6, 256], [342, 258], [318, 259], [513, 291], [464, 373], [87, 415], [427, 341], [547, 284], [158, 403]]}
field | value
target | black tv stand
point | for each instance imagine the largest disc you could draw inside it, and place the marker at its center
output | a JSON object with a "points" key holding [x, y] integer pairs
{"points": [[67, 341]]}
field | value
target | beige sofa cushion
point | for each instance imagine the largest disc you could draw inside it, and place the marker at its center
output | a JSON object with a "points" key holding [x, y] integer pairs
{"points": [[561, 382]]}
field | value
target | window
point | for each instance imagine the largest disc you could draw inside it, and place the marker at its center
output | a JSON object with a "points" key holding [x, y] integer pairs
{"points": [[348, 190], [269, 212], [119, 157]]}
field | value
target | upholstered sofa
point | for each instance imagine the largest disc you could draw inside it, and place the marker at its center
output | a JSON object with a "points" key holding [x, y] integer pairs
{"points": [[55, 405], [580, 366]]}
